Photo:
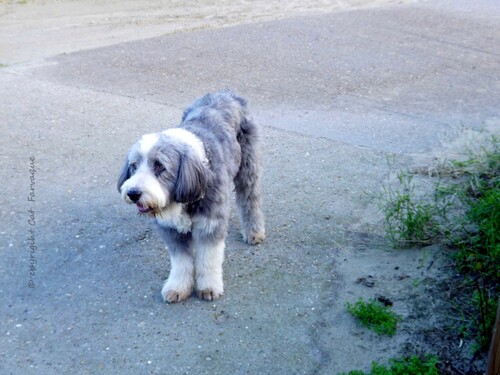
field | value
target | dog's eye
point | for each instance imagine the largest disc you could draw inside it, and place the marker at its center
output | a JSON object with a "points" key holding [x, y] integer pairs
{"points": [[158, 167]]}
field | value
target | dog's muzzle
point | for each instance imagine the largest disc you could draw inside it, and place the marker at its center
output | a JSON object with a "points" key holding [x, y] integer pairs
{"points": [[135, 195]]}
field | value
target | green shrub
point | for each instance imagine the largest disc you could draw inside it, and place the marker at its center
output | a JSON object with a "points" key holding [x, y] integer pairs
{"points": [[478, 241]]}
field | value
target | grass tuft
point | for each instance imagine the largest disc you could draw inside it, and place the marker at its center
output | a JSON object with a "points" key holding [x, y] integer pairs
{"points": [[409, 219], [375, 316]]}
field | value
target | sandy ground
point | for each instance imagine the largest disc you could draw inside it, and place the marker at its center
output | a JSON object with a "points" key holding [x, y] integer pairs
{"points": [[97, 308], [35, 29]]}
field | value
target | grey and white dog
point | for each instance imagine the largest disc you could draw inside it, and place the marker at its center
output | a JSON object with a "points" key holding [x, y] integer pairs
{"points": [[183, 178]]}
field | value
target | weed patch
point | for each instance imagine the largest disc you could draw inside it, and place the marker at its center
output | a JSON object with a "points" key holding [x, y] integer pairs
{"points": [[404, 366], [462, 212]]}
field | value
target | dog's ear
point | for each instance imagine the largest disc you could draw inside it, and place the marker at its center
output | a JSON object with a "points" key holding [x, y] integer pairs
{"points": [[124, 175], [192, 180]]}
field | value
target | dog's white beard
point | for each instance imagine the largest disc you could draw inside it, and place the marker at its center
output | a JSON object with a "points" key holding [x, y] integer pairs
{"points": [[175, 217]]}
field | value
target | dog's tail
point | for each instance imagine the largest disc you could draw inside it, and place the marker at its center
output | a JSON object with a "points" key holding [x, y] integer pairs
{"points": [[247, 180]]}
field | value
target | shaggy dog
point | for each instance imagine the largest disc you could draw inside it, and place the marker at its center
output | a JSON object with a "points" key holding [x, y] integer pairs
{"points": [[183, 178]]}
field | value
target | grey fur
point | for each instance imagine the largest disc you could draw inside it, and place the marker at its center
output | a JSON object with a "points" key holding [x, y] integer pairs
{"points": [[201, 186]]}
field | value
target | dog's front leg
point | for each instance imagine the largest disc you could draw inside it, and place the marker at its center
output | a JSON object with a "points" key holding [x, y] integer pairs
{"points": [[209, 256], [179, 284], [180, 281]]}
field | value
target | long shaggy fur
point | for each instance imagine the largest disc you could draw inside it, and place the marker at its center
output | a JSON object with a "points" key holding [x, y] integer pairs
{"points": [[183, 178]]}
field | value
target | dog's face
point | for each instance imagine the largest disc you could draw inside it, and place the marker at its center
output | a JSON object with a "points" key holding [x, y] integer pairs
{"points": [[162, 169]]}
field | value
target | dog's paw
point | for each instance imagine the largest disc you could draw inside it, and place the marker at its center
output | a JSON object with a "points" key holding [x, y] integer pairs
{"points": [[210, 286], [172, 295], [209, 294], [254, 238]]}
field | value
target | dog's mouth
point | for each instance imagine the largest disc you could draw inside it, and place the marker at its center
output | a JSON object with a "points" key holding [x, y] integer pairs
{"points": [[143, 209]]}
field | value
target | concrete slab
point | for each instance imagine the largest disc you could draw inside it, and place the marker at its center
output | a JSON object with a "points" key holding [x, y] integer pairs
{"points": [[44, 28], [384, 78]]}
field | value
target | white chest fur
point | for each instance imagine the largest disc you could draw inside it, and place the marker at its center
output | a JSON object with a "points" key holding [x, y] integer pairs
{"points": [[175, 217]]}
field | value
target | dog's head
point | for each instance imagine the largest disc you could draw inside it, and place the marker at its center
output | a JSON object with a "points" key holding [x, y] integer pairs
{"points": [[162, 169]]}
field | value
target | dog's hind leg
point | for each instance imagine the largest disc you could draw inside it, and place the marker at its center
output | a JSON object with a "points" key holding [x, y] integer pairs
{"points": [[247, 185]]}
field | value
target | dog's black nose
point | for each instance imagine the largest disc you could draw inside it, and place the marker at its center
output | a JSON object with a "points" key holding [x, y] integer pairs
{"points": [[134, 195]]}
